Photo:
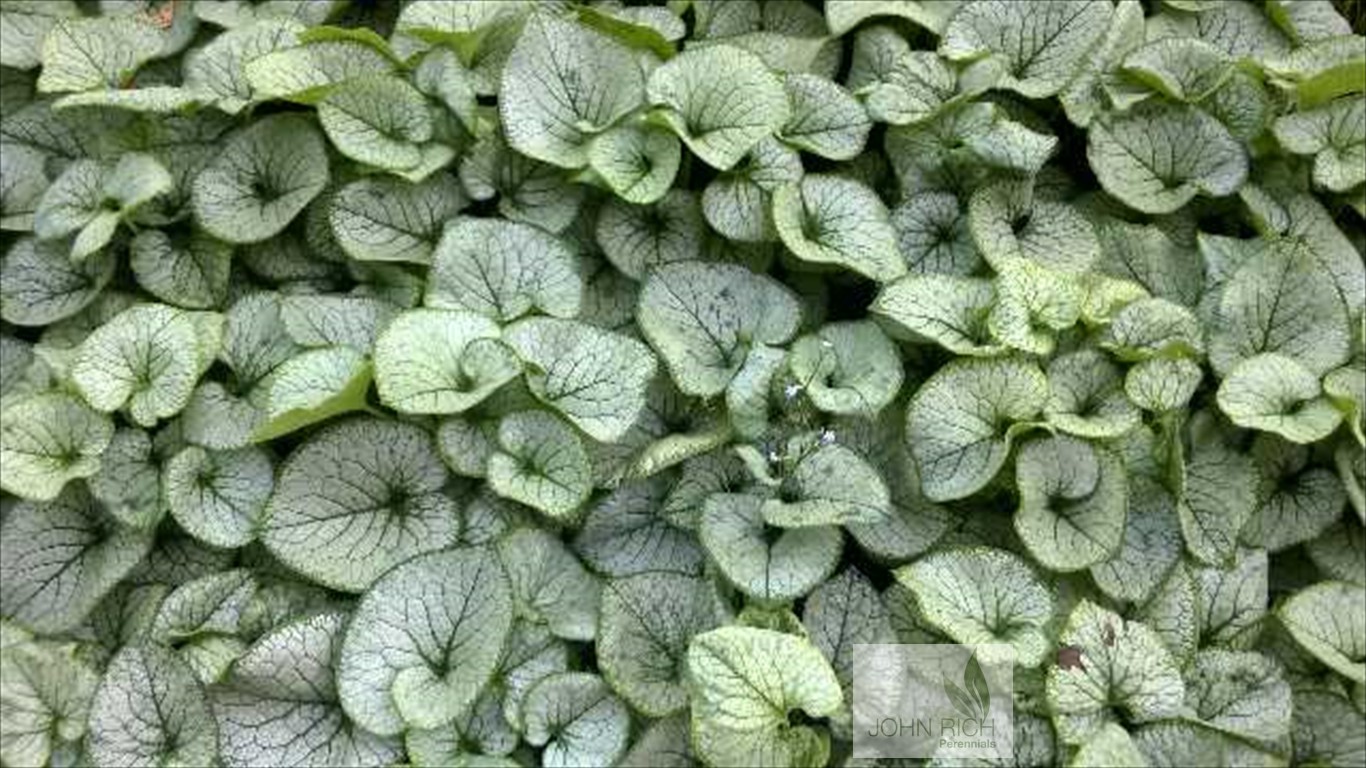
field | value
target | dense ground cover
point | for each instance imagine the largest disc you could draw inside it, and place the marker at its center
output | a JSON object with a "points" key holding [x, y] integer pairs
{"points": [[473, 383]]}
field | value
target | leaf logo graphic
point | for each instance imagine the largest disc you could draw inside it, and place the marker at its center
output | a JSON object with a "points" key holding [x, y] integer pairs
{"points": [[973, 699]]}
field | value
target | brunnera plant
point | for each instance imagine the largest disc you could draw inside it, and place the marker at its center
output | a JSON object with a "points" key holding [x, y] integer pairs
{"points": [[576, 383]]}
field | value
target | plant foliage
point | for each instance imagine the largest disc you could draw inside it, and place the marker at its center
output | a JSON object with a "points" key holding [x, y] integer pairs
{"points": [[578, 382]]}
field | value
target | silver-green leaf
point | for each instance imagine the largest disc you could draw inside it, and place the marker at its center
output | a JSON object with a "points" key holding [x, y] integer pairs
{"points": [[424, 641], [563, 83], [370, 492], [718, 118], [150, 708], [961, 423]]}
